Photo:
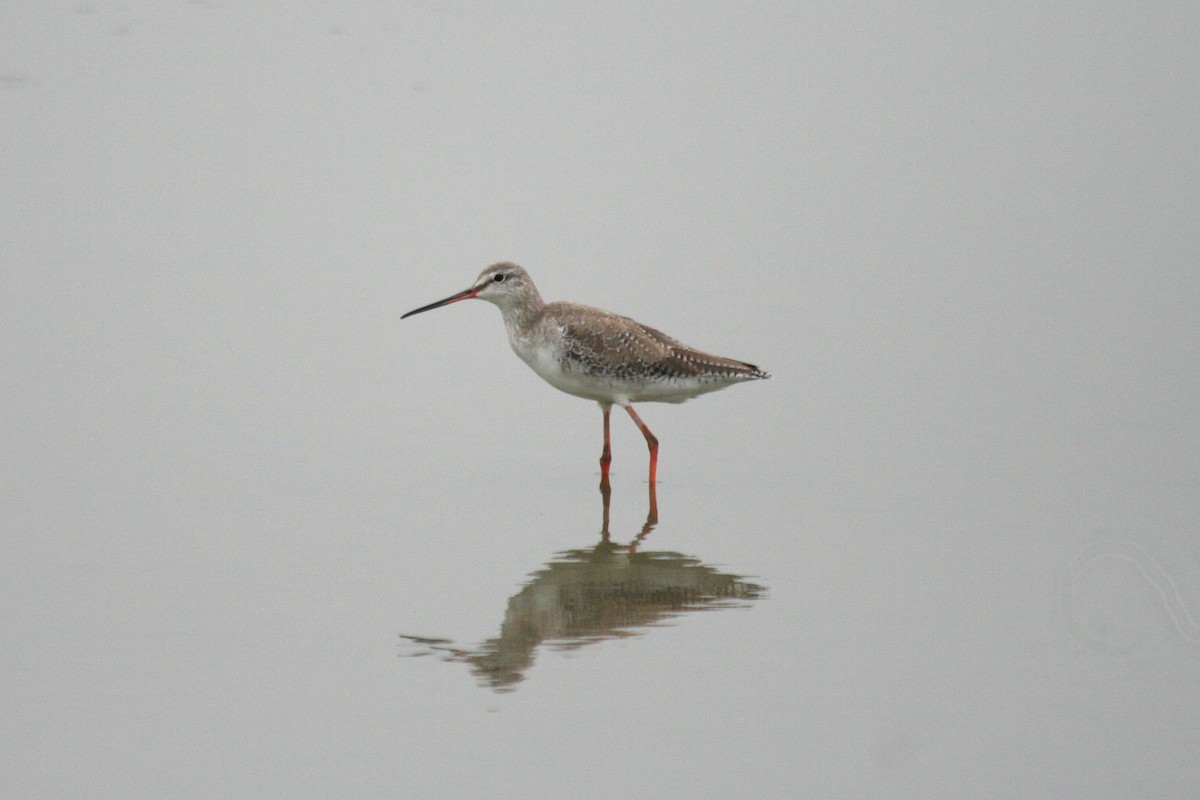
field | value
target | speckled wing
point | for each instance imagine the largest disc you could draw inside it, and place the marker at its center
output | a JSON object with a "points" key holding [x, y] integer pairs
{"points": [[619, 348]]}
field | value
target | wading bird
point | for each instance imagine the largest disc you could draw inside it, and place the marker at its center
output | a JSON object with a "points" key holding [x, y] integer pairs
{"points": [[599, 355]]}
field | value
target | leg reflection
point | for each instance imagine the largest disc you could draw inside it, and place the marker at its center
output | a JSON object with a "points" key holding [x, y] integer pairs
{"points": [[590, 594], [651, 514]]}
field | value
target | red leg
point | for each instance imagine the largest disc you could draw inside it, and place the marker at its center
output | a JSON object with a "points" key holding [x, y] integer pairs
{"points": [[651, 442], [606, 454]]}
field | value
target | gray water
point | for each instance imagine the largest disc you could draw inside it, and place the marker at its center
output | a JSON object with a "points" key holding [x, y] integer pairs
{"points": [[265, 540]]}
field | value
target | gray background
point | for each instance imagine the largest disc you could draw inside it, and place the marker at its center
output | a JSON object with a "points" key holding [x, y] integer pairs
{"points": [[963, 237]]}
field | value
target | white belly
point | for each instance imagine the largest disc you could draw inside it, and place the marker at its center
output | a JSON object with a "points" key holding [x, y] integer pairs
{"points": [[547, 362]]}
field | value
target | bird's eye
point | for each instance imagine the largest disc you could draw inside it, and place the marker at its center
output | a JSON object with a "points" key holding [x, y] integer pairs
{"points": [[499, 277]]}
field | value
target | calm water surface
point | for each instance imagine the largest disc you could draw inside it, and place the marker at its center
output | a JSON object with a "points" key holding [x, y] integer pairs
{"points": [[265, 540]]}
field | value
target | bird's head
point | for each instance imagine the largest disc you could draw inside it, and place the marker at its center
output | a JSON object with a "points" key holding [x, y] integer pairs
{"points": [[505, 285]]}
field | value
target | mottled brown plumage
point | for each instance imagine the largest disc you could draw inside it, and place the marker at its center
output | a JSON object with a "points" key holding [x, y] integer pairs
{"points": [[592, 353]]}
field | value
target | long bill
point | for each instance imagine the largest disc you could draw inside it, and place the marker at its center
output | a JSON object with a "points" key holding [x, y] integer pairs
{"points": [[465, 294]]}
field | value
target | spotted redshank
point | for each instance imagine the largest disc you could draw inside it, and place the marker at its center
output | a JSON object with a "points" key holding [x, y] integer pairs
{"points": [[599, 355]]}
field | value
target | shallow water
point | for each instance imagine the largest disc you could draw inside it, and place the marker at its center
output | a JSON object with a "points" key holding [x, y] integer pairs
{"points": [[589, 595], [265, 540]]}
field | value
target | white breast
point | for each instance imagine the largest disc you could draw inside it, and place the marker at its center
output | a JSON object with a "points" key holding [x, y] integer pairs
{"points": [[544, 356]]}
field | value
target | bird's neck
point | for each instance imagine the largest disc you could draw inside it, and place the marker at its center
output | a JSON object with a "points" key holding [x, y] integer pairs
{"points": [[522, 313]]}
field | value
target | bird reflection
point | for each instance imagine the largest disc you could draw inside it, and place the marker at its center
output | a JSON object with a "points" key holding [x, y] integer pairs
{"points": [[582, 596]]}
